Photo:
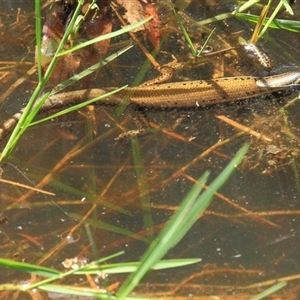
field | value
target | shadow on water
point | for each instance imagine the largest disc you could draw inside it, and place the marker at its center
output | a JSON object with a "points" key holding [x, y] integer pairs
{"points": [[249, 236]]}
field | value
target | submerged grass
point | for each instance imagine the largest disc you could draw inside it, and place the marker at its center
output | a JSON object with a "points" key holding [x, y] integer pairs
{"points": [[271, 290], [190, 209], [272, 22], [36, 101], [195, 52], [142, 185]]}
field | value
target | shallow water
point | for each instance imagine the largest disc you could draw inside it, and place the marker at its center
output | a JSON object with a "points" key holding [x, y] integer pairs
{"points": [[248, 235]]}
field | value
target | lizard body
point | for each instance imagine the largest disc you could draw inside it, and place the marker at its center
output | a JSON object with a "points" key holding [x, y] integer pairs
{"points": [[186, 94]]}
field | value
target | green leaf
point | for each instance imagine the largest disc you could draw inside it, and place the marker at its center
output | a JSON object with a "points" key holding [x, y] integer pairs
{"points": [[287, 7], [29, 268], [105, 36], [83, 291], [289, 25], [77, 106], [189, 211], [90, 69], [112, 228], [274, 288], [132, 266]]}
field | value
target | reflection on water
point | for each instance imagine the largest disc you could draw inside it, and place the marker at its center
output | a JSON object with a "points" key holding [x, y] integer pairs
{"points": [[247, 239]]}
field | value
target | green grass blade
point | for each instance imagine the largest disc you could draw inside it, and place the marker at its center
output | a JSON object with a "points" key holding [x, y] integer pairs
{"points": [[224, 16], [62, 43], [161, 244], [68, 273], [13, 139], [287, 7], [204, 199], [38, 37], [142, 185], [185, 33], [132, 266], [189, 211], [83, 291], [11, 287], [59, 185], [290, 25], [76, 291], [20, 128], [270, 20], [76, 107], [29, 268], [112, 228], [90, 70], [205, 43], [105, 37], [31, 116], [246, 6], [270, 290]]}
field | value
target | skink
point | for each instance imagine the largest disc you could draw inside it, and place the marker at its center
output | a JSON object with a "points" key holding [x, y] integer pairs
{"points": [[173, 95], [188, 93]]}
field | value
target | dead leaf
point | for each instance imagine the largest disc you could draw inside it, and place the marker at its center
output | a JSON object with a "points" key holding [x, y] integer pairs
{"points": [[137, 10]]}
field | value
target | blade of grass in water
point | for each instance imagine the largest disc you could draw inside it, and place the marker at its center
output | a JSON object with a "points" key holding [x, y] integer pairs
{"points": [[240, 9], [29, 268], [87, 292], [182, 28], [165, 240], [92, 269], [20, 127], [189, 211], [68, 273], [142, 185], [38, 37], [270, 20], [77, 106], [111, 228], [132, 266], [77, 77], [46, 272], [137, 81], [195, 52], [90, 70], [28, 111], [270, 291], [290, 25], [105, 37]]}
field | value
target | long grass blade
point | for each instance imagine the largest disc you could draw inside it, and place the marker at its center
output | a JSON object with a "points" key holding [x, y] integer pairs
{"points": [[111, 228], [105, 37], [20, 128], [29, 268], [38, 37], [142, 185], [182, 28], [68, 273], [270, 290], [23, 122], [290, 25], [191, 208], [90, 69], [287, 7], [133, 266], [164, 241], [83, 291], [77, 106]]}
